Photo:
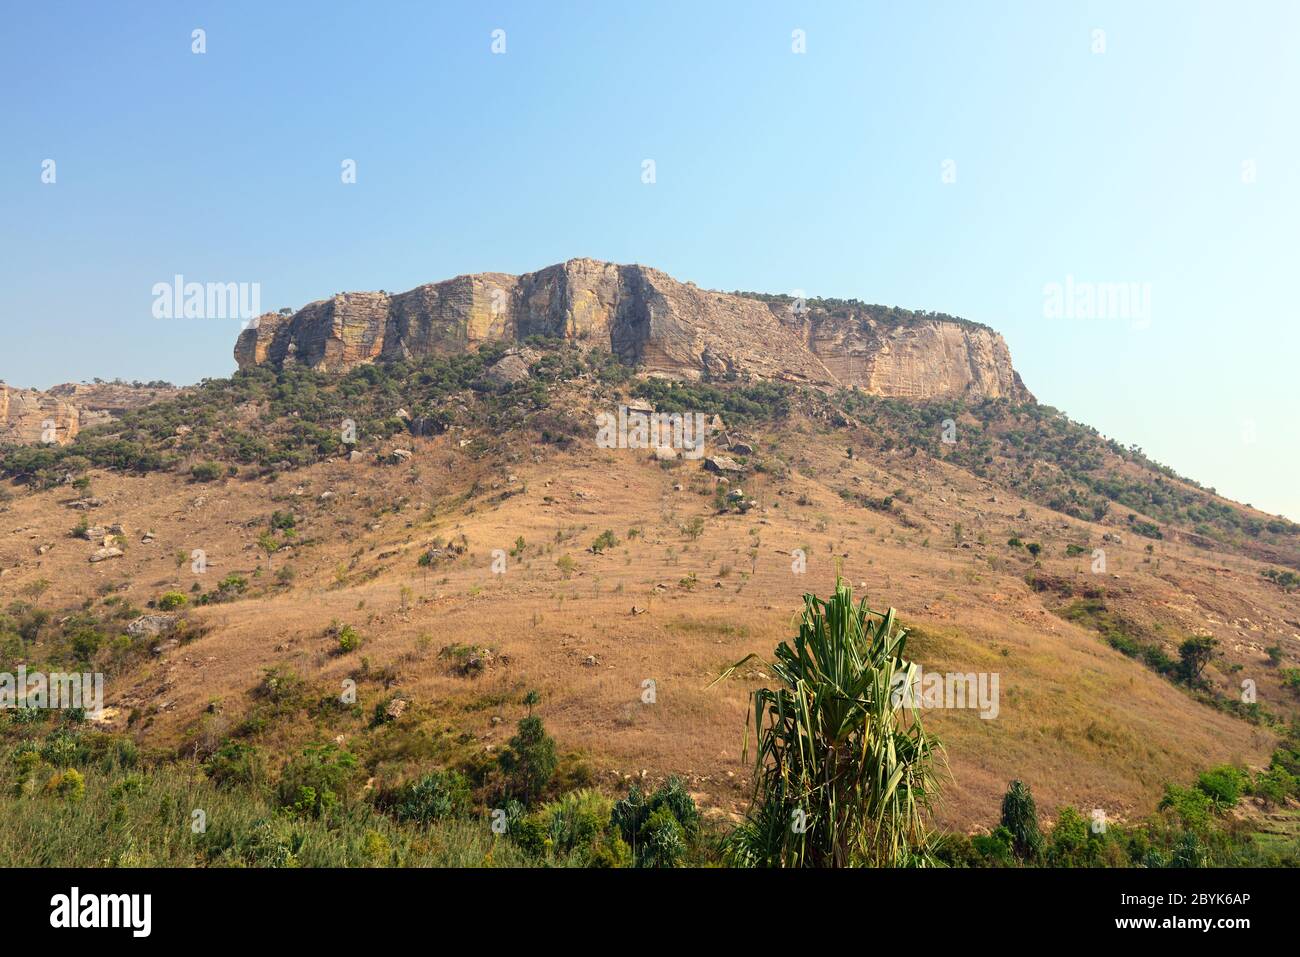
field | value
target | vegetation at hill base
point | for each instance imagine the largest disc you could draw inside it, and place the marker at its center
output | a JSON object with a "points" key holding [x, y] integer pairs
{"points": [[842, 777]]}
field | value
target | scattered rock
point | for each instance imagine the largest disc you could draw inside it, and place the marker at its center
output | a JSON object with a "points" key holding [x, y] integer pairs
{"points": [[356, 455], [722, 463], [85, 503], [400, 455], [590, 661], [426, 425], [741, 448], [395, 709], [106, 553], [664, 453], [151, 626]]}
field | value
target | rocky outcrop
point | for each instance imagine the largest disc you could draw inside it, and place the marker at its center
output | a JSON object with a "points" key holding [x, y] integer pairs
{"points": [[60, 412], [650, 320], [908, 355], [30, 416]]}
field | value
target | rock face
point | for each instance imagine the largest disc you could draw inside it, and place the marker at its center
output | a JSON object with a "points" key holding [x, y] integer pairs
{"points": [[918, 358], [32, 416], [649, 320]]}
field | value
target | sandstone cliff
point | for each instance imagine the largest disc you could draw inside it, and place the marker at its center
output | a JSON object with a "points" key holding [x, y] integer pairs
{"points": [[29, 415], [650, 320], [32, 415]]}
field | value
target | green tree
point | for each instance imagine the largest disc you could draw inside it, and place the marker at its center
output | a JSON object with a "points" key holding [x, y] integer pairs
{"points": [[1020, 818], [529, 761], [1194, 654]]}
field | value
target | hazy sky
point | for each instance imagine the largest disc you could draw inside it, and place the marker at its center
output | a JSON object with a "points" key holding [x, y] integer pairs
{"points": [[959, 157]]}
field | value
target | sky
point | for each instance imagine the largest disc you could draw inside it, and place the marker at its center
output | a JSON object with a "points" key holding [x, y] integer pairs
{"points": [[973, 158]]}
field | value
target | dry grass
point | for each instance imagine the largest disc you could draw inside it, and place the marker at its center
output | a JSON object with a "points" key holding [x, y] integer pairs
{"points": [[1079, 722]]}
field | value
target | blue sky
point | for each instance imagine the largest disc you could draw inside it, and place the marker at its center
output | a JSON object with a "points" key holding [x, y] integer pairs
{"points": [[775, 171]]}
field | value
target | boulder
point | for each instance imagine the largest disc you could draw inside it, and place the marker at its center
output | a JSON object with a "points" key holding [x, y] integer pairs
{"points": [[425, 425], [106, 553], [510, 369], [151, 626], [722, 463]]}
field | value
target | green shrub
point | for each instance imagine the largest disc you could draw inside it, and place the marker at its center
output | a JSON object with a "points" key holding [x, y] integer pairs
{"points": [[1275, 785], [172, 600], [611, 852], [437, 795], [604, 540], [207, 472], [996, 849], [576, 821], [281, 686], [235, 763], [1223, 785], [317, 780], [654, 846], [62, 749], [1290, 679], [662, 841], [1188, 852], [1068, 846], [1191, 807], [69, 785], [833, 707], [348, 640]]}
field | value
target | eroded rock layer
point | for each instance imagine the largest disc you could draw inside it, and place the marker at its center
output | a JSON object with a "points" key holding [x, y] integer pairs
{"points": [[652, 321]]}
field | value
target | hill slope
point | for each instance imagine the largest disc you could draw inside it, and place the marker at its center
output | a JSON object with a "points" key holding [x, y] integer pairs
{"points": [[303, 532]]}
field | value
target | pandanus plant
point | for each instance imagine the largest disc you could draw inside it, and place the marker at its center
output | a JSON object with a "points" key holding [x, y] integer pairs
{"points": [[844, 774]]}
